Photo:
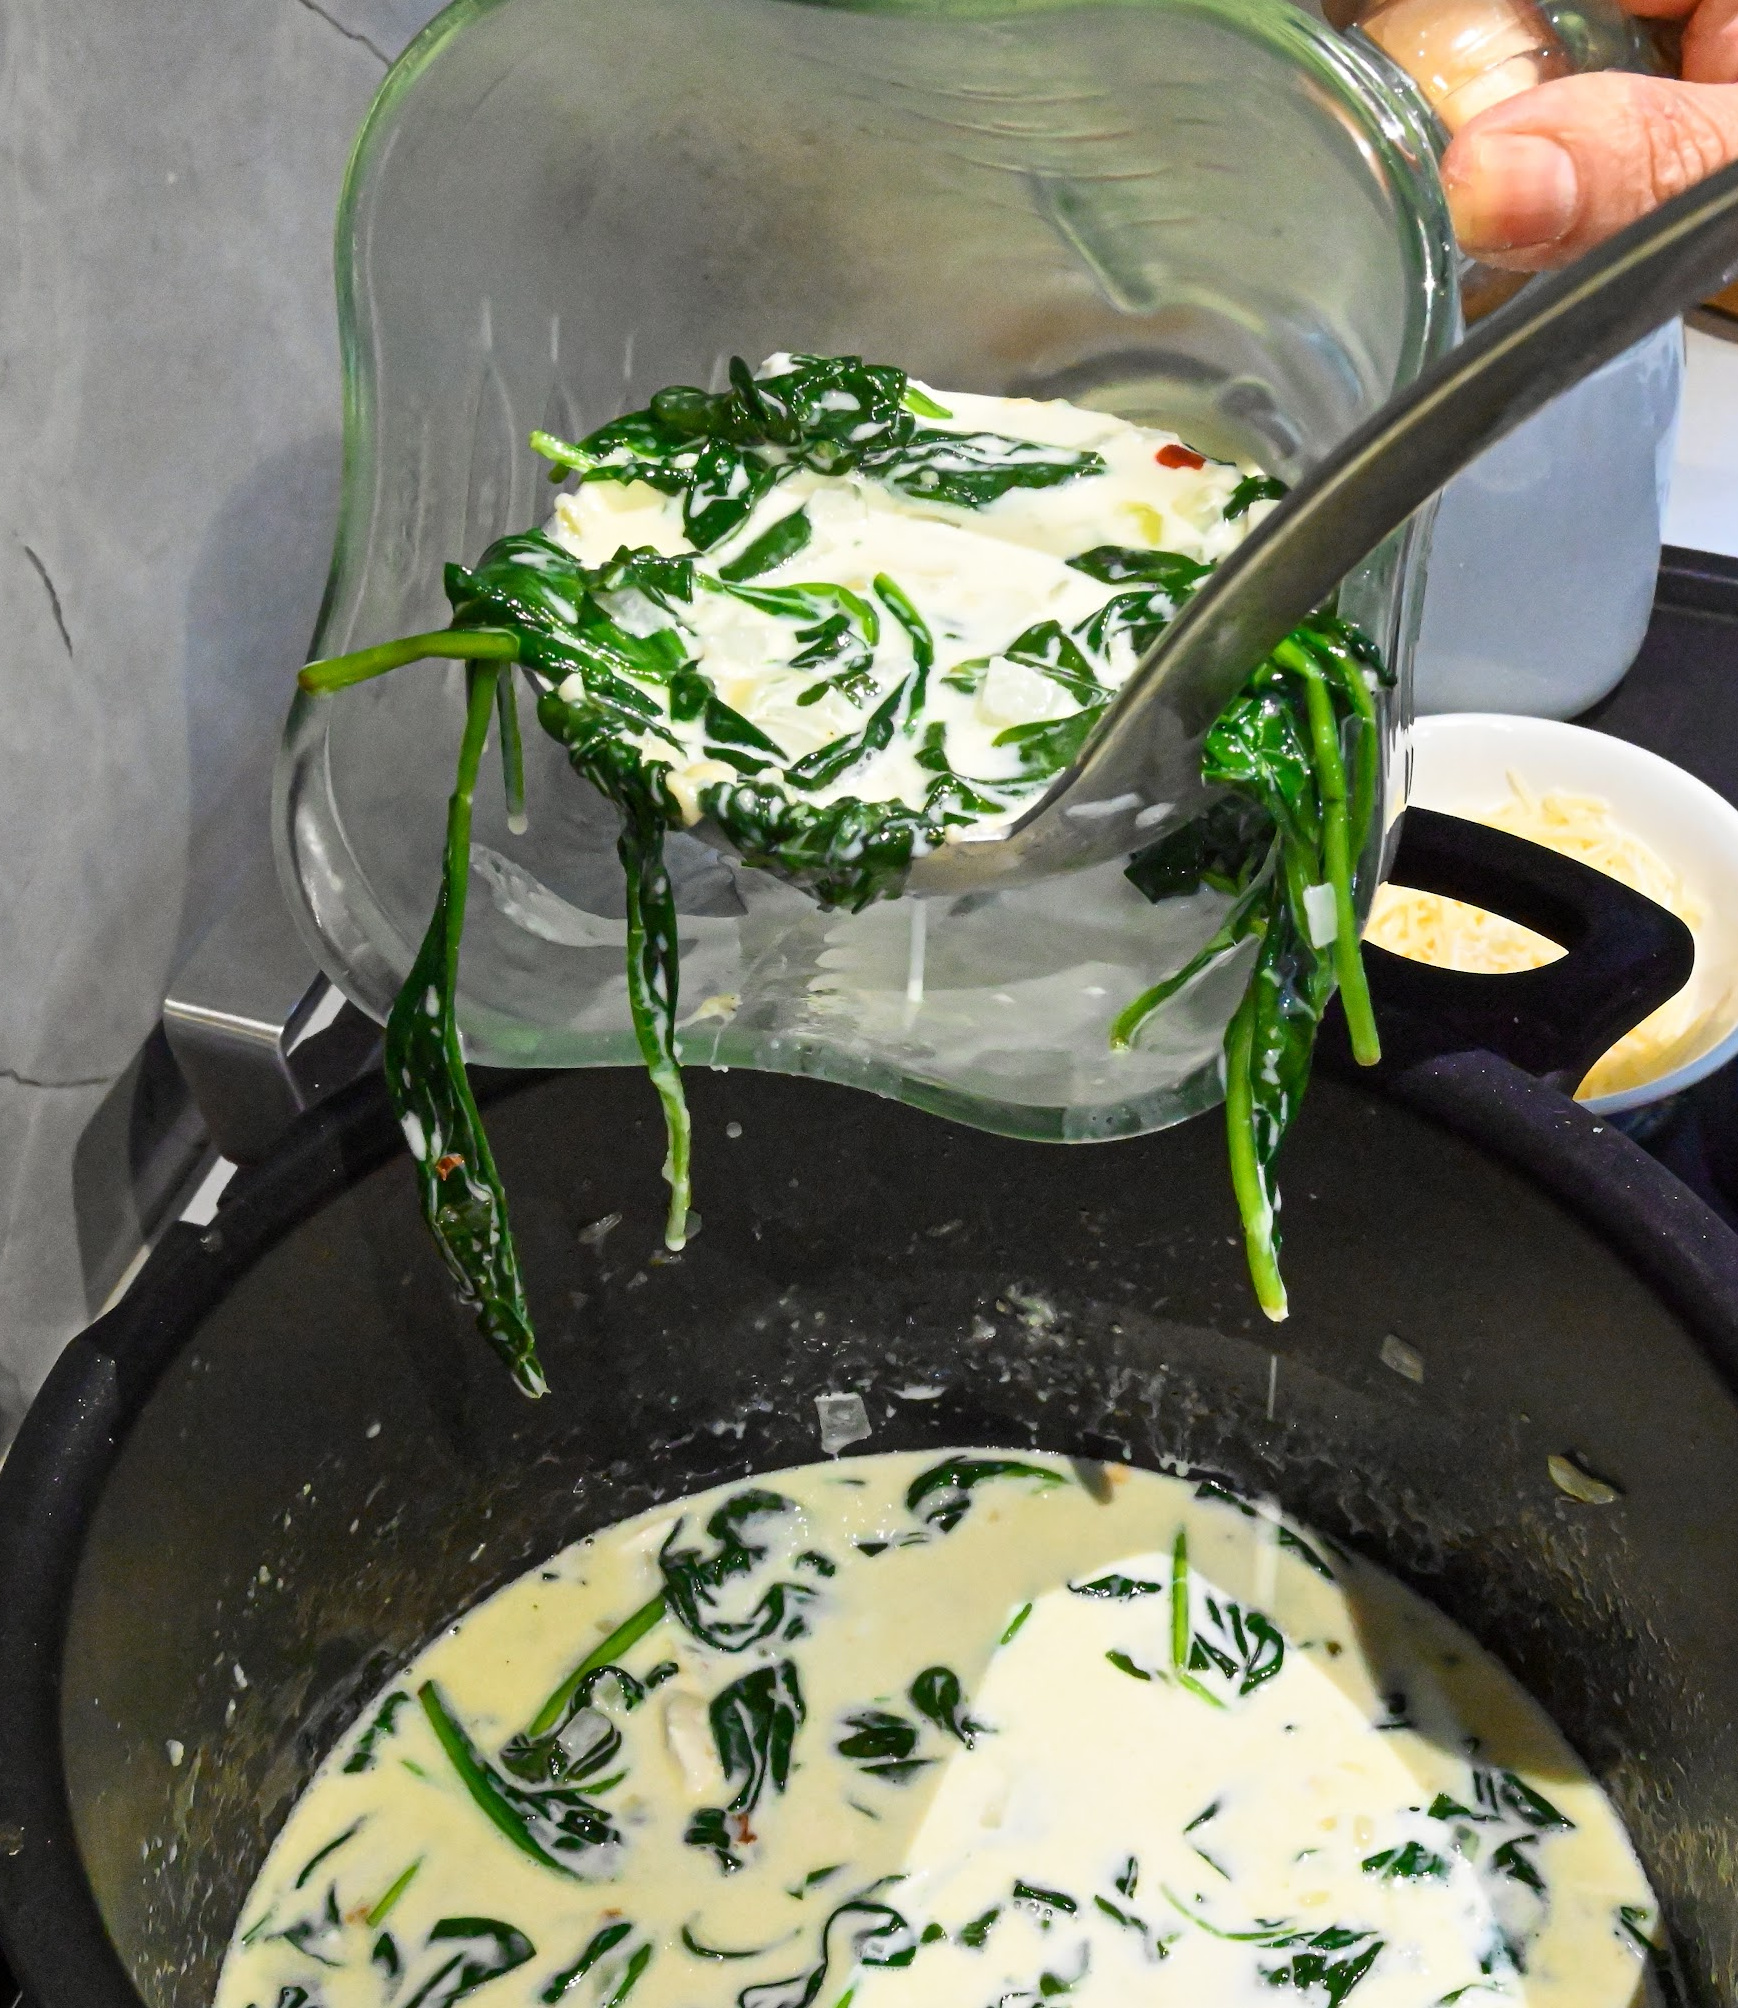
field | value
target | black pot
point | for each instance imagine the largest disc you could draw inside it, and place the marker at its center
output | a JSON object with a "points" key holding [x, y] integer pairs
{"points": [[288, 1454]]}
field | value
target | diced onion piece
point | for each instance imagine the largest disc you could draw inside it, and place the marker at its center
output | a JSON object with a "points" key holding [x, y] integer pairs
{"points": [[1323, 916]]}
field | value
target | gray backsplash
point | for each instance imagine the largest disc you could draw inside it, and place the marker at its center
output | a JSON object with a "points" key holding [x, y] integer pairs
{"points": [[169, 452]]}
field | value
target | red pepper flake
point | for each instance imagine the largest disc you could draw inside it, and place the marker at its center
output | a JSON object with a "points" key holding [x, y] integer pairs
{"points": [[1179, 456], [450, 1163]]}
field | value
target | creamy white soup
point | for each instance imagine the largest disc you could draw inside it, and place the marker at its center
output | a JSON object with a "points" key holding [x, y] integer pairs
{"points": [[974, 1727]]}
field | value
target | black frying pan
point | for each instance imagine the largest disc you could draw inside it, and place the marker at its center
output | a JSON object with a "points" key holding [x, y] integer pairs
{"points": [[200, 1484]]}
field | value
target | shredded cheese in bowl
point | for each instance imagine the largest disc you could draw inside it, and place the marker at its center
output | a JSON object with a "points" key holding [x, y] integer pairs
{"points": [[1453, 935]]}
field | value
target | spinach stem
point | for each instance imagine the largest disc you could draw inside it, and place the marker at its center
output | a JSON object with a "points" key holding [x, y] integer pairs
{"points": [[1364, 746], [378, 1912], [567, 457], [1336, 851], [512, 751], [652, 978], [1267, 1935], [480, 698], [925, 407], [469, 645], [628, 1633], [894, 599], [1246, 1180], [1180, 1600], [457, 1181], [1127, 1024], [474, 1776]]}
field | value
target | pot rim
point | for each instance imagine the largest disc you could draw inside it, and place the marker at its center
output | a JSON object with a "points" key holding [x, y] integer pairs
{"points": [[51, 1929]]}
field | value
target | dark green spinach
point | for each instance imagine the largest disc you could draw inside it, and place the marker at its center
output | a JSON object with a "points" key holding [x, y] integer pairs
{"points": [[362, 1759], [1658, 1960], [1046, 1904], [1410, 1863], [937, 1694], [320, 1854], [471, 1952], [1299, 748], [867, 1934], [548, 1759], [1286, 853], [771, 548], [385, 1955], [693, 1578], [711, 1828], [1253, 488], [1119, 1587], [883, 1744], [1334, 1960], [754, 1725], [319, 1936], [942, 1497], [978, 1930], [722, 451], [556, 1826], [600, 1943], [462, 1198]]}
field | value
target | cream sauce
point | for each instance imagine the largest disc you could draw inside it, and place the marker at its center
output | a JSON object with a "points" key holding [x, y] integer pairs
{"points": [[993, 1736], [978, 577]]}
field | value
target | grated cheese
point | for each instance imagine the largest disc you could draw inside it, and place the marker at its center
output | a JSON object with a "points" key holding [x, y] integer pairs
{"points": [[1453, 935]]}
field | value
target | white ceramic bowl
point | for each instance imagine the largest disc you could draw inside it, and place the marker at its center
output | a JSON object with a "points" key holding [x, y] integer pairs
{"points": [[1461, 763]]}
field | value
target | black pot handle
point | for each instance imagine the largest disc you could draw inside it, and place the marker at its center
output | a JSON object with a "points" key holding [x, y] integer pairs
{"points": [[1624, 956]]}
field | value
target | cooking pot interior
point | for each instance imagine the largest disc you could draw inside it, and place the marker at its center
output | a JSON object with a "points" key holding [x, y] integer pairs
{"points": [[333, 1466]]}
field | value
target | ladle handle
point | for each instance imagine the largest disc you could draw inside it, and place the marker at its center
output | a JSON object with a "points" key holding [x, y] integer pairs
{"points": [[1624, 956], [1552, 336]]}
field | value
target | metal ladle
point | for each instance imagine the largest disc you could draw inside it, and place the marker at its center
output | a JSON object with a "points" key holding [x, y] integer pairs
{"points": [[1139, 773]]}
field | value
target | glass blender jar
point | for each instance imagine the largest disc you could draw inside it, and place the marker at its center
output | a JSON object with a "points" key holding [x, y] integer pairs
{"points": [[1220, 217], [1545, 550]]}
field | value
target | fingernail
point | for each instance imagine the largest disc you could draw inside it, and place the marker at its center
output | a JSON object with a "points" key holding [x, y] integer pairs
{"points": [[1510, 191]]}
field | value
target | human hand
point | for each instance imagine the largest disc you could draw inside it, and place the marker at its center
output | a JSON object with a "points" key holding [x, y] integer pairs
{"points": [[1537, 180]]}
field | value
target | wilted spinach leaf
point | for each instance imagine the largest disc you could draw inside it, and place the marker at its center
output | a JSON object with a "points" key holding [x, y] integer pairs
{"points": [[754, 1724], [859, 1933], [942, 1497], [471, 1951], [937, 1694], [1315, 1966], [554, 1825], [693, 1578]]}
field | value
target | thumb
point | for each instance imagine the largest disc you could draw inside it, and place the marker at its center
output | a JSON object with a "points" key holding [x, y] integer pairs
{"points": [[1536, 181]]}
